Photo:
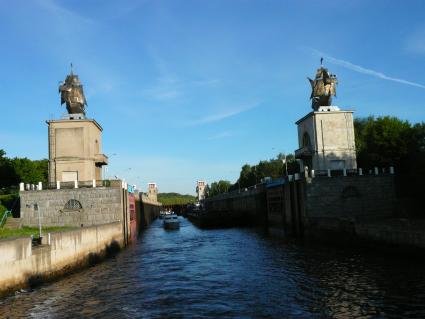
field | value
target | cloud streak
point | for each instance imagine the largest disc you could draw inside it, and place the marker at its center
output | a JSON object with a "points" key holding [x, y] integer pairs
{"points": [[220, 136], [363, 70], [62, 13], [224, 114]]}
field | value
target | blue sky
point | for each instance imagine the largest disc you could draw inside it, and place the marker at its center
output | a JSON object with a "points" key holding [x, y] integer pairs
{"points": [[189, 90]]}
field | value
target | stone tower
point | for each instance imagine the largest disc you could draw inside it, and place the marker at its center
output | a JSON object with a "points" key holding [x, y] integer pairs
{"points": [[152, 192], [200, 190], [326, 135], [75, 142]]}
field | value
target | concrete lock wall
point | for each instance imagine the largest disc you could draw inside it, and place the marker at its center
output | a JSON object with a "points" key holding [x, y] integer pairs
{"points": [[98, 206], [21, 263], [330, 204], [150, 210], [146, 211], [246, 206], [338, 203]]}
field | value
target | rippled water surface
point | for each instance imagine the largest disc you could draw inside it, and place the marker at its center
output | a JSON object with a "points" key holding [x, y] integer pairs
{"points": [[229, 273]]}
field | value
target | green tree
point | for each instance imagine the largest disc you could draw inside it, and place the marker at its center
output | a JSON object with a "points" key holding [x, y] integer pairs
{"points": [[219, 187], [30, 171], [8, 175], [389, 141], [16, 170], [246, 177], [274, 168]]}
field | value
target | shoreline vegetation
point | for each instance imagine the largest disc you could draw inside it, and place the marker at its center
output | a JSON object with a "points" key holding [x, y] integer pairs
{"points": [[169, 199]]}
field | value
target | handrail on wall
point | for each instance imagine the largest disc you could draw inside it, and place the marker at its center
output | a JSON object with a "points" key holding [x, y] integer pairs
{"points": [[6, 214]]}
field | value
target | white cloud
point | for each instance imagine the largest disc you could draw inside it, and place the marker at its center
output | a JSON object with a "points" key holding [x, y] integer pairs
{"points": [[363, 70]]}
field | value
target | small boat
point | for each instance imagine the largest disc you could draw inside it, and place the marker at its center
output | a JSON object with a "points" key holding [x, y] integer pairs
{"points": [[171, 221], [164, 213]]}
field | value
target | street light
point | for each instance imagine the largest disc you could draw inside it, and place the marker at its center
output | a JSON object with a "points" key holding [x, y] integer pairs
{"points": [[105, 169], [39, 220], [285, 162]]}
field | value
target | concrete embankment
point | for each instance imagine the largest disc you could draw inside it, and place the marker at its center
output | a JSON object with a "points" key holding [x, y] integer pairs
{"points": [[22, 265]]}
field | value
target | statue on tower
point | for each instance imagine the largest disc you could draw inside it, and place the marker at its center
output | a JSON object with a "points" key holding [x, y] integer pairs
{"points": [[72, 94], [323, 87]]}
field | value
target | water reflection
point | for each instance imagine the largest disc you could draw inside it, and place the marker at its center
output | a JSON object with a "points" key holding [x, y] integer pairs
{"points": [[231, 273]]}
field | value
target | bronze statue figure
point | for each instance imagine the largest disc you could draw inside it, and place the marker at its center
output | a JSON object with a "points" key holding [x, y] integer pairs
{"points": [[323, 87], [72, 94]]}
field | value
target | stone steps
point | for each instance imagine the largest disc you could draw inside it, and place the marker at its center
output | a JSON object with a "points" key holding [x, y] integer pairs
{"points": [[13, 223]]}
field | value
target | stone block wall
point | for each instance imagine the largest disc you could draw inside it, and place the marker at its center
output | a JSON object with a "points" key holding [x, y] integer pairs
{"points": [[72, 207], [339, 203]]}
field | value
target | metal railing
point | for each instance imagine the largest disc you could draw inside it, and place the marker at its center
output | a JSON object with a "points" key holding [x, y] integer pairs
{"points": [[244, 190], [351, 172], [6, 214]]}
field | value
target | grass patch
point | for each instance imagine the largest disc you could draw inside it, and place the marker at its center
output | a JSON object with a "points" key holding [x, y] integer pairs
{"points": [[28, 231]]}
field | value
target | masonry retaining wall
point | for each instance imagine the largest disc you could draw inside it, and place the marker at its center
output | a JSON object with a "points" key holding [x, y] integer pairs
{"points": [[351, 197], [98, 206], [21, 264], [338, 203]]}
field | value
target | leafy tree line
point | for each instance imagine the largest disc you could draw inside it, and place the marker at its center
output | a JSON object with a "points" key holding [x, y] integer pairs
{"points": [[168, 199], [219, 187], [388, 141], [16, 170], [254, 174]]}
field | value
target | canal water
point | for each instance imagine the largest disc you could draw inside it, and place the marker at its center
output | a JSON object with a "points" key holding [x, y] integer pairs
{"points": [[229, 273]]}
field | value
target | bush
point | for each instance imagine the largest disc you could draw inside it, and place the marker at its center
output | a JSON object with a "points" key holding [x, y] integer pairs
{"points": [[9, 200]]}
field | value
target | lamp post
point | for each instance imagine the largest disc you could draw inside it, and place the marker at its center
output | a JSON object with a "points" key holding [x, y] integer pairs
{"points": [[285, 163], [106, 167], [39, 220]]}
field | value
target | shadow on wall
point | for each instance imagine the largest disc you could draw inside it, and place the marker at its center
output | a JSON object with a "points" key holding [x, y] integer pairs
{"points": [[409, 191], [91, 259]]}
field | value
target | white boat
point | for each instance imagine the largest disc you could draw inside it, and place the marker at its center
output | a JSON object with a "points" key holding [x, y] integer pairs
{"points": [[171, 222], [164, 213]]}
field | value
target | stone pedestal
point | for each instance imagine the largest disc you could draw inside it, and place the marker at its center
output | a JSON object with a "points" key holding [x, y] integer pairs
{"points": [[326, 139], [75, 150]]}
